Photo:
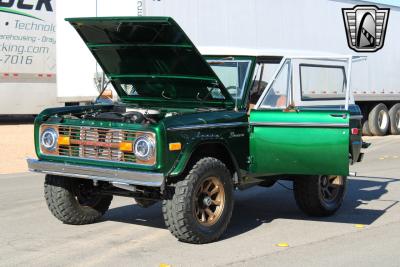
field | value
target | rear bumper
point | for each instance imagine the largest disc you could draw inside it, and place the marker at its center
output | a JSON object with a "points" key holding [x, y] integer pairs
{"points": [[97, 173]]}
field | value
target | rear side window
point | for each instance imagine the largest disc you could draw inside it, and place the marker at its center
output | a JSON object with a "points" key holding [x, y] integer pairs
{"points": [[319, 82]]}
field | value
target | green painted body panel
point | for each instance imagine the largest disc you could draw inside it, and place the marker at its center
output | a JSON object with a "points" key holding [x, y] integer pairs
{"points": [[156, 53], [170, 163], [299, 150], [292, 150], [151, 54], [234, 138], [157, 129]]}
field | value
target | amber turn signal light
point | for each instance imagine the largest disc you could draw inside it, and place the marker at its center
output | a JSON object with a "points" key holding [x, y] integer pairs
{"points": [[175, 146], [126, 146], [63, 140]]}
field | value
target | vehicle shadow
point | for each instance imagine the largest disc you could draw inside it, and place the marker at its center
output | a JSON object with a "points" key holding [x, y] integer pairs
{"points": [[135, 214], [263, 205], [16, 119], [259, 205]]}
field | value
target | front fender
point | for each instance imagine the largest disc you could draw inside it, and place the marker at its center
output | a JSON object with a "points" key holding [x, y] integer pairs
{"points": [[184, 157]]}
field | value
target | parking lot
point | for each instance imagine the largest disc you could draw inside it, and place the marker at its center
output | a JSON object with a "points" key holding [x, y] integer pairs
{"points": [[366, 230]]}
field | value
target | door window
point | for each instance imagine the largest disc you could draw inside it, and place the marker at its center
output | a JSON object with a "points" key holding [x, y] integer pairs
{"points": [[263, 74], [277, 94], [319, 82]]}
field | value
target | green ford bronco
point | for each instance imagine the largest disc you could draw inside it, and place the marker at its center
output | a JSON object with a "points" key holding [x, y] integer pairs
{"points": [[191, 126]]}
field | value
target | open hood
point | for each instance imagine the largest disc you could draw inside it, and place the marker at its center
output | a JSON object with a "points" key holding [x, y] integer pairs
{"points": [[151, 59]]}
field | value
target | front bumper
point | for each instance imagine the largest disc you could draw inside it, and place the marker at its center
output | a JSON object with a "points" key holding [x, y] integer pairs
{"points": [[97, 173]]}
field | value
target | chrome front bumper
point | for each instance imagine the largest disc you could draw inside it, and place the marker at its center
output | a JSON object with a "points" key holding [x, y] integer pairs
{"points": [[97, 173]]}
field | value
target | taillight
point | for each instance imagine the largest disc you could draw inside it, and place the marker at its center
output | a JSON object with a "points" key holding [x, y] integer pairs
{"points": [[354, 131]]}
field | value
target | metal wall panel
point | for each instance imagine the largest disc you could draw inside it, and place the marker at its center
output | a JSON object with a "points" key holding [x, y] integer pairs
{"points": [[314, 25]]}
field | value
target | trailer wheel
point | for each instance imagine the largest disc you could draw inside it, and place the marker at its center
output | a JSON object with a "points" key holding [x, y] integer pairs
{"points": [[365, 129], [378, 120], [394, 114]]}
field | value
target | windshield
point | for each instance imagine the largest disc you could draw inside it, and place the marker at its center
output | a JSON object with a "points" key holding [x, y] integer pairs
{"points": [[171, 89], [233, 74]]}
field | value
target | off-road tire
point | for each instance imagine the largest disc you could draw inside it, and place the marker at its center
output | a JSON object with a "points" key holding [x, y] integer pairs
{"points": [[61, 198], [307, 192], [394, 119], [178, 211], [365, 129], [373, 120]]}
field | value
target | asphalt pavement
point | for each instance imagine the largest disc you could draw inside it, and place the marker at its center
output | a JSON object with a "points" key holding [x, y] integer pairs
{"points": [[364, 232]]}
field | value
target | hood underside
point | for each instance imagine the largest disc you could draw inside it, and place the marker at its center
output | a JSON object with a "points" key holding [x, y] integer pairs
{"points": [[151, 59]]}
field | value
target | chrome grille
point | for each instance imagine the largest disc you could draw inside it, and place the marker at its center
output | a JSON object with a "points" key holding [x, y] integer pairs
{"points": [[96, 143]]}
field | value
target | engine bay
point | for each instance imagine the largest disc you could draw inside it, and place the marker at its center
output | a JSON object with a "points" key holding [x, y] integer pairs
{"points": [[141, 116], [121, 113]]}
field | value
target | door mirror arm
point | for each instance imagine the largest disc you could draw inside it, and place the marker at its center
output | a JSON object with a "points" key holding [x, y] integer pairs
{"points": [[291, 108]]}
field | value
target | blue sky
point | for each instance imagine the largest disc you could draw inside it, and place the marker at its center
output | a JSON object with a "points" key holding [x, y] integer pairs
{"points": [[385, 2]]}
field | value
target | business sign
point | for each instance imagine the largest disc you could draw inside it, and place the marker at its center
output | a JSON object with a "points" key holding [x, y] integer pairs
{"points": [[27, 38]]}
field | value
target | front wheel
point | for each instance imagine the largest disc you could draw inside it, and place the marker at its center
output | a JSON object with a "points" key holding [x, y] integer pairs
{"points": [[200, 208], [320, 195], [74, 201]]}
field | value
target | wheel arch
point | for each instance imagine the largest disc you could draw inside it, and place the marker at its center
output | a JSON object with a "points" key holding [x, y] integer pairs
{"points": [[211, 148]]}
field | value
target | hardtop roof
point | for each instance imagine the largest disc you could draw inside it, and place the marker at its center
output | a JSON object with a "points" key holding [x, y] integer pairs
{"points": [[261, 52]]}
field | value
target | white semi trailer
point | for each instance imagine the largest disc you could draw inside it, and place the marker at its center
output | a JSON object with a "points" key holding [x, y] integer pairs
{"points": [[27, 56], [315, 25], [43, 62]]}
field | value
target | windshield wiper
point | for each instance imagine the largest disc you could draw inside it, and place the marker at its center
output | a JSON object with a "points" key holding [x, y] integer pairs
{"points": [[166, 97], [207, 95]]}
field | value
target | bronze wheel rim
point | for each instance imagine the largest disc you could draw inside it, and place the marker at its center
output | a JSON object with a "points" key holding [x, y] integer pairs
{"points": [[330, 186], [209, 201]]}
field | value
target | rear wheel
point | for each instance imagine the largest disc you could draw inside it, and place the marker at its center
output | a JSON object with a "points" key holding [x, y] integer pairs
{"points": [[394, 114], [74, 201], [319, 195], [378, 120], [201, 206]]}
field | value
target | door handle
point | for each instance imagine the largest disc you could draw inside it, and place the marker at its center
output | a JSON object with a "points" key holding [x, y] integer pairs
{"points": [[344, 116]]}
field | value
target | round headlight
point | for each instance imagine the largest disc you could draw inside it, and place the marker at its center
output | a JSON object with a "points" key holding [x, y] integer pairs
{"points": [[48, 139], [144, 148]]}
